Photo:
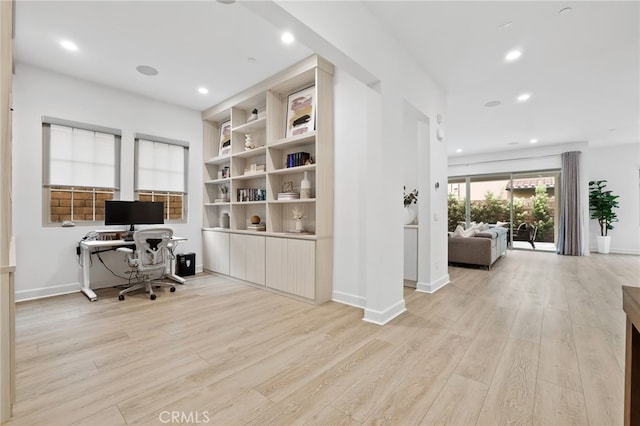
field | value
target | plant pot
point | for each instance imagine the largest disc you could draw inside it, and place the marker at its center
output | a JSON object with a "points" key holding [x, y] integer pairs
{"points": [[604, 243], [409, 215]]}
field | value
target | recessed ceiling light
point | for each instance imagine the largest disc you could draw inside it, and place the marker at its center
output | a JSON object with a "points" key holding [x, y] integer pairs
{"points": [[287, 38], [203, 90], [69, 45], [612, 130], [251, 59], [147, 70], [534, 140], [459, 150], [505, 25], [513, 55], [513, 143], [226, 1], [492, 104], [565, 10], [524, 97]]}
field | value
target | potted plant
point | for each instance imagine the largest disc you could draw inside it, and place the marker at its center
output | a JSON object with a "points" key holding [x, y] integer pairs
{"points": [[410, 202], [601, 205]]}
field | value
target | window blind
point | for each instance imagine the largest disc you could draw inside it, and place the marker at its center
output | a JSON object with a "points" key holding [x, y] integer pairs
{"points": [[160, 166], [79, 157]]}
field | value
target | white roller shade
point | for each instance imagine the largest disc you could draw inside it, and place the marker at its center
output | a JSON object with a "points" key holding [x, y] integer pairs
{"points": [[160, 167], [81, 158]]}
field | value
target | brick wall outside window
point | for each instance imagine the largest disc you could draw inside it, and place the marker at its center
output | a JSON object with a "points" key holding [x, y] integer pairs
{"points": [[78, 204]]}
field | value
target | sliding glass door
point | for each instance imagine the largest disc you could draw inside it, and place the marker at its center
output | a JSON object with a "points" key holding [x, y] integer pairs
{"points": [[535, 196], [523, 202]]}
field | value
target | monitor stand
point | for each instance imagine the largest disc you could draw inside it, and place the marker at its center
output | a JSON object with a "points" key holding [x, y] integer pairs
{"points": [[129, 236]]}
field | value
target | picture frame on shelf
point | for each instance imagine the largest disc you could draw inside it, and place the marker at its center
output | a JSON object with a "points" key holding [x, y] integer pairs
{"points": [[225, 138], [301, 112]]}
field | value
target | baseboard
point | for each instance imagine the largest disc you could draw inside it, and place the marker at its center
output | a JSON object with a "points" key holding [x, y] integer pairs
{"points": [[58, 290], [39, 293], [612, 250], [383, 317], [434, 286], [349, 299]]}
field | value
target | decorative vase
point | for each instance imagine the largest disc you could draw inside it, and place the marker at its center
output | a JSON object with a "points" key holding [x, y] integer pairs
{"points": [[409, 215], [604, 243], [305, 187], [298, 225], [224, 220]]}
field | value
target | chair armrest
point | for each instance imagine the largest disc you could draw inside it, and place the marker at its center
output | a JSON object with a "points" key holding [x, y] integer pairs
{"points": [[124, 250]]}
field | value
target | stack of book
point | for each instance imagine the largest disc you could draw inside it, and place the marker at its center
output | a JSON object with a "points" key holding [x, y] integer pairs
{"points": [[297, 159], [256, 227], [251, 194], [288, 196], [222, 200]]}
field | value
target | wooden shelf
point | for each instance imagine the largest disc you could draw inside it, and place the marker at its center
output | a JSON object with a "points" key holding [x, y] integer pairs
{"points": [[297, 169], [260, 123], [298, 264]]}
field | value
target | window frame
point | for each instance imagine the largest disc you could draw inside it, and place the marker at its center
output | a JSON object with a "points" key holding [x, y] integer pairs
{"points": [[138, 191], [47, 186]]}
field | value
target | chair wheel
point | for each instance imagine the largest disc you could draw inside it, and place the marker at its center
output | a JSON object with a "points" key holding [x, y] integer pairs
{"points": [[172, 290], [121, 297], [152, 297]]}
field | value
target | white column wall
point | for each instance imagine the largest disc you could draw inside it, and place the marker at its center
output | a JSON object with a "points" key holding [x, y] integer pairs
{"points": [[400, 79], [46, 259]]}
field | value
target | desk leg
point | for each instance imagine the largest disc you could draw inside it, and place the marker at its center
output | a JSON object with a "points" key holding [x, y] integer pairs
{"points": [[632, 376], [172, 275], [176, 278], [86, 263]]}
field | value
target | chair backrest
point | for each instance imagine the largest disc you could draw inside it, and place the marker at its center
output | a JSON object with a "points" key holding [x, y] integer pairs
{"points": [[151, 247]]}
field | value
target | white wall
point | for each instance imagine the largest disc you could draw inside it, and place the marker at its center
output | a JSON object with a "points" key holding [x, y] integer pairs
{"points": [[620, 167], [46, 259]]}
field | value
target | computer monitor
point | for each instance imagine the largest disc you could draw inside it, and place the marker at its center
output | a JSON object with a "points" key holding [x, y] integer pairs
{"points": [[133, 213]]}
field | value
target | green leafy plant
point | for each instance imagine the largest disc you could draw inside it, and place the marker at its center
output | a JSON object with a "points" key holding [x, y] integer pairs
{"points": [[410, 198], [601, 205]]}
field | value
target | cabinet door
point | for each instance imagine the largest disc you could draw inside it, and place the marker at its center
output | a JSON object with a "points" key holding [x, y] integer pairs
{"points": [[255, 259], [208, 250], [237, 258], [411, 254], [301, 267], [291, 266], [215, 251], [276, 266]]}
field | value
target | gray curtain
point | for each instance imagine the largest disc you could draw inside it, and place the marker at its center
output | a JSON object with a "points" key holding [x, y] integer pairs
{"points": [[570, 231]]}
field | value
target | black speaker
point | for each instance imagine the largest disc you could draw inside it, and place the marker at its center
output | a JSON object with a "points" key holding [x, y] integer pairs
{"points": [[186, 264]]}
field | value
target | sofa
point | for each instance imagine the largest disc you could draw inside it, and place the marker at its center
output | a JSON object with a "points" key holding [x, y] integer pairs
{"points": [[478, 246]]}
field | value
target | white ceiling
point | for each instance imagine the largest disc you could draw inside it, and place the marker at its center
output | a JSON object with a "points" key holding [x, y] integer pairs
{"points": [[581, 68]]}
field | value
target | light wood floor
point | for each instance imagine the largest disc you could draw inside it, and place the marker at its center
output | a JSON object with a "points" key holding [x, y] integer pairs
{"points": [[537, 340]]}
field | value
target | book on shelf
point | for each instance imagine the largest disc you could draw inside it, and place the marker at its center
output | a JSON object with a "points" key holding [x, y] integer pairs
{"points": [[297, 159], [222, 200], [257, 227], [251, 194], [288, 196]]}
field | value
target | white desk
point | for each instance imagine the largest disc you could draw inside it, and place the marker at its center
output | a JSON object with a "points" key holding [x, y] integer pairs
{"points": [[87, 248]]}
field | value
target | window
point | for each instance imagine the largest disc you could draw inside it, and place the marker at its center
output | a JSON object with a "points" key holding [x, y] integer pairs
{"points": [[81, 169], [161, 167]]}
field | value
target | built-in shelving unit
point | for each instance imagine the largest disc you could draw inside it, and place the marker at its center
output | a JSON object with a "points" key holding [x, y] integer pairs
{"points": [[254, 176]]}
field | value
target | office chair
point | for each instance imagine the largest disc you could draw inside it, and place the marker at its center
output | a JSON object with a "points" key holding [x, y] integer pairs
{"points": [[149, 260]]}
